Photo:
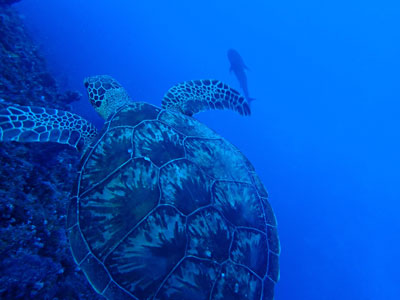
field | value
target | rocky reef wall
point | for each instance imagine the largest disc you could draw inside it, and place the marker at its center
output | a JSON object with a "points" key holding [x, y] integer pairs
{"points": [[35, 180]]}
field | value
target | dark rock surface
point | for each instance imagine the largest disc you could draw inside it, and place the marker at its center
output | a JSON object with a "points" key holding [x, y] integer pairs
{"points": [[8, 2], [35, 181]]}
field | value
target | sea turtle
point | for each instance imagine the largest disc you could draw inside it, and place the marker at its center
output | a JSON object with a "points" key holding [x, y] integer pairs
{"points": [[162, 207]]}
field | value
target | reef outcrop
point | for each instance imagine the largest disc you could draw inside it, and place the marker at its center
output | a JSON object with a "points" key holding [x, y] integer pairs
{"points": [[35, 180]]}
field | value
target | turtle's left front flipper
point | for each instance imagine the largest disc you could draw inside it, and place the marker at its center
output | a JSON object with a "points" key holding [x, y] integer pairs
{"points": [[39, 124], [191, 97]]}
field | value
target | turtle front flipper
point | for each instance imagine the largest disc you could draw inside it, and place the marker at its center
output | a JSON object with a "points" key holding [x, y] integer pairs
{"points": [[191, 97], [39, 124]]}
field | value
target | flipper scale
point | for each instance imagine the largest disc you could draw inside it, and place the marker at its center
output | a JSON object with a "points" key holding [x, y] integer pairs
{"points": [[39, 124], [194, 96]]}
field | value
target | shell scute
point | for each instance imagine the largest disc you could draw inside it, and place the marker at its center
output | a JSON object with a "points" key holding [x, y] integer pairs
{"points": [[149, 253], [110, 153], [273, 241], [192, 279], [186, 125], [133, 114], [96, 273], [216, 158], [185, 185], [237, 282], [240, 204], [158, 142], [113, 291], [273, 267], [114, 207], [249, 248], [80, 249], [209, 235]]}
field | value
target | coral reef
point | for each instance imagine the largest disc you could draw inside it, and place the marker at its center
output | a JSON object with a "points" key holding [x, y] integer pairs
{"points": [[35, 181]]}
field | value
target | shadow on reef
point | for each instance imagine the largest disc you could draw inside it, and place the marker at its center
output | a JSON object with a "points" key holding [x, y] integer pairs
{"points": [[35, 181]]}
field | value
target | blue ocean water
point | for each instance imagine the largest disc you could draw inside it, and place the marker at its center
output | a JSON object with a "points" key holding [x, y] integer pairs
{"points": [[324, 131]]}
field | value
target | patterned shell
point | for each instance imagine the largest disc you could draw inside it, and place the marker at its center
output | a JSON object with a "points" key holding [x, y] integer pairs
{"points": [[164, 208]]}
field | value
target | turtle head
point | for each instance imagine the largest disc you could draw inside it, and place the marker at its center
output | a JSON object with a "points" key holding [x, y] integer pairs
{"points": [[105, 94]]}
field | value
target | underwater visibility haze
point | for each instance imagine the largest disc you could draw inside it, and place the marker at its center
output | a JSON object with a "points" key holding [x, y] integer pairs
{"points": [[323, 134]]}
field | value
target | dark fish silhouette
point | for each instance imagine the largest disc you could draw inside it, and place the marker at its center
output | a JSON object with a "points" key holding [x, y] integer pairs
{"points": [[239, 68]]}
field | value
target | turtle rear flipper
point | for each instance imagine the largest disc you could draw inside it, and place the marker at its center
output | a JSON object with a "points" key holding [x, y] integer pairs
{"points": [[39, 124], [191, 97]]}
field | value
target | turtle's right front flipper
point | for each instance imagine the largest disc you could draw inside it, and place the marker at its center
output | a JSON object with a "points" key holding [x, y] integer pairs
{"points": [[38, 124]]}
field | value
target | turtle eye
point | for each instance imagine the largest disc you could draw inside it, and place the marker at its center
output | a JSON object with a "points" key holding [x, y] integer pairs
{"points": [[86, 84]]}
